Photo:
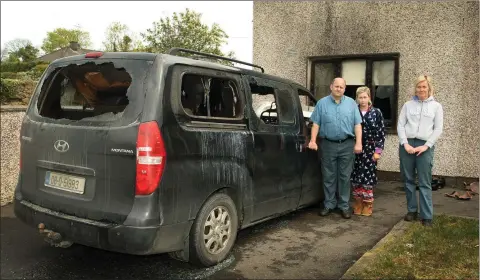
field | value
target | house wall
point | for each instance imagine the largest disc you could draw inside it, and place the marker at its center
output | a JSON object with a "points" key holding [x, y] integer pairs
{"points": [[437, 38]]}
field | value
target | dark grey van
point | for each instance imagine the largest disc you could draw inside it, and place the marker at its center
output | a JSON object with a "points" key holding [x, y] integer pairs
{"points": [[146, 153]]}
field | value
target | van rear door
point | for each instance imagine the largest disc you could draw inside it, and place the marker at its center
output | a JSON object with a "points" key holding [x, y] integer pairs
{"points": [[78, 139]]}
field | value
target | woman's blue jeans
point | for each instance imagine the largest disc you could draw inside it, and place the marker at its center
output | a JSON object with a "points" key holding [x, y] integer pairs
{"points": [[422, 166]]}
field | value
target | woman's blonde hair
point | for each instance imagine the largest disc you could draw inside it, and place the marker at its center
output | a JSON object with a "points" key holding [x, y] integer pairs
{"points": [[428, 79], [362, 90]]}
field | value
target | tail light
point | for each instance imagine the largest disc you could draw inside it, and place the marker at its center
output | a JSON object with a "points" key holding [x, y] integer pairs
{"points": [[151, 157]]}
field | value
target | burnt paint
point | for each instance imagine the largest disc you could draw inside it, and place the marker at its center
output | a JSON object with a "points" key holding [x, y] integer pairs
{"points": [[276, 175], [264, 171], [200, 160], [110, 176]]}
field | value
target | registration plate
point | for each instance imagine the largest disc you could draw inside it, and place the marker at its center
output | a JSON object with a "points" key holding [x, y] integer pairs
{"points": [[65, 182]]}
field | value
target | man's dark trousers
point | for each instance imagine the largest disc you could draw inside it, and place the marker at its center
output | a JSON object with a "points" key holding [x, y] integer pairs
{"points": [[337, 166]]}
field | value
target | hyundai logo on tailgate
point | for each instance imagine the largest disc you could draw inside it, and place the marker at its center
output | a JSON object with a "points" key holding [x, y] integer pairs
{"points": [[61, 146]]}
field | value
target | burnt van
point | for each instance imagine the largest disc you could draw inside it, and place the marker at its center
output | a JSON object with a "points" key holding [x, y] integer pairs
{"points": [[144, 153]]}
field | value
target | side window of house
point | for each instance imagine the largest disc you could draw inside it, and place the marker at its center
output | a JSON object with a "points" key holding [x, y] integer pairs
{"points": [[209, 97], [272, 102]]}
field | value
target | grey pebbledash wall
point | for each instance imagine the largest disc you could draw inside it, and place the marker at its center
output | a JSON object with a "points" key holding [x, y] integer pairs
{"points": [[11, 120], [438, 38]]}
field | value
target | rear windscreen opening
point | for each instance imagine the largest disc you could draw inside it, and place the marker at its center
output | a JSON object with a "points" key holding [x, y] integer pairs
{"points": [[83, 91]]}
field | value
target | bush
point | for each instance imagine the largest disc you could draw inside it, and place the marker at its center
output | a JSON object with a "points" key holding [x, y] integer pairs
{"points": [[8, 89], [17, 66], [38, 70], [16, 75], [15, 91]]}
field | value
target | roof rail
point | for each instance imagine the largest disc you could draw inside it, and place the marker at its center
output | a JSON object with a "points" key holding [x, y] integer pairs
{"points": [[174, 51]]}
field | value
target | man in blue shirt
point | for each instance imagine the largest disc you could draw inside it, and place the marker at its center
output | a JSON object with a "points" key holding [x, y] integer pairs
{"points": [[339, 121]]}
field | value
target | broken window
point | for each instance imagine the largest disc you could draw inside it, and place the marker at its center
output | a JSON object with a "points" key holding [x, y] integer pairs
{"points": [[272, 105], [81, 91], [211, 97], [264, 104]]}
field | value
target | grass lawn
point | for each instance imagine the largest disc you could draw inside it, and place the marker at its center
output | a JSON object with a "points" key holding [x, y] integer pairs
{"points": [[448, 250]]}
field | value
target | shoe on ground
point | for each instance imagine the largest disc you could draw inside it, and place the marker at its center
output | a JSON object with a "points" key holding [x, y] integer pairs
{"points": [[427, 223], [324, 212], [346, 214], [411, 216]]}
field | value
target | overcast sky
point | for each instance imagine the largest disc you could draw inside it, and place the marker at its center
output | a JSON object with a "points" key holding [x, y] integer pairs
{"points": [[33, 19]]}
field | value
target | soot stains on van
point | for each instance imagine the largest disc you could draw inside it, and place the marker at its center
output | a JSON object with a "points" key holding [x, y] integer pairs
{"points": [[78, 92]]}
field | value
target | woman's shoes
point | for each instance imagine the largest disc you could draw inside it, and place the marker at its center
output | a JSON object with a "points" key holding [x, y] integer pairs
{"points": [[367, 208], [363, 208], [357, 206]]}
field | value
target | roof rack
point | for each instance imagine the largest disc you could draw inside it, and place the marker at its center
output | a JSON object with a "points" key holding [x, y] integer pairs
{"points": [[174, 51]]}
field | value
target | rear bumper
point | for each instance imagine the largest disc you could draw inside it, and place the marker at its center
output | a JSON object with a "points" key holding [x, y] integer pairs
{"points": [[111, 237]]}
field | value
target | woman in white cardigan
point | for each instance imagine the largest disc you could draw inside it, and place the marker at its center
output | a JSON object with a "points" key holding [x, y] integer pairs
{"points": [[420, 124]]}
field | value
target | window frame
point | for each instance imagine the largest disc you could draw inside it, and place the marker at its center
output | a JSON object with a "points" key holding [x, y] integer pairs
{"points": [[282, 126], [337, 60], [179, 71]]}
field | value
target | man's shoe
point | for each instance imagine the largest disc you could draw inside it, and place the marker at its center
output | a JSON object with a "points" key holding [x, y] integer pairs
{"points": [[346, 214], [411, 216], [427, 223], [324, 212]]}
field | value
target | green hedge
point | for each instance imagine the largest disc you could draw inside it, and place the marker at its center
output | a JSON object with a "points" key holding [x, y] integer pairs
{"points": [[8, 89], [16, 91], [17, 66], [38, 70], [16, 75]]}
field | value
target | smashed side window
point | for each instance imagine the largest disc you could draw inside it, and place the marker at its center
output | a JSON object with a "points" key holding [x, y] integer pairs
{"points": [[272, 104], [264, 103], [211, 97], [78, 92]]}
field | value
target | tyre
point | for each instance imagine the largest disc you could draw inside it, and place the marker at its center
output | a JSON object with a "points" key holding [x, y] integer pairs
{"points": [[214, 231]]}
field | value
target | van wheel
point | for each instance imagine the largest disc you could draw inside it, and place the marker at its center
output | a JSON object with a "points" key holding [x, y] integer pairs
{"points": [[214, 232]]}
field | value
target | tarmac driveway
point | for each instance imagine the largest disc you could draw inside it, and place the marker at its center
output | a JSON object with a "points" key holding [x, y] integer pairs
{"points": [[299, 245]]}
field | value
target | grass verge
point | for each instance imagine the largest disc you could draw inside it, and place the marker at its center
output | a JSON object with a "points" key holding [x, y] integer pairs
{"points": [[448, 250]]}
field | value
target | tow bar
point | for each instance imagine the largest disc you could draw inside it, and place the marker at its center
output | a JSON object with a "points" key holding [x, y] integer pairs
{"points": [[53, 238]]}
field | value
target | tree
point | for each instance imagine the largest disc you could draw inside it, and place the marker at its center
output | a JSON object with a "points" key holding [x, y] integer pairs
{"points": [[4, 54], [61, 38], [28, 53], [12, 47], [19, 50], [117, 38], [185, 30]]}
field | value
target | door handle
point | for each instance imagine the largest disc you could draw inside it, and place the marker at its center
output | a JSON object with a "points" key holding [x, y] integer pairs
{"points": [[300, 146]]}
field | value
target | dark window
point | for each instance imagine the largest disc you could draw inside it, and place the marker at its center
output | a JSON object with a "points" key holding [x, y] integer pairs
{"points": [[99, 92], [272, 104], [210, 97], [378, 71]]}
